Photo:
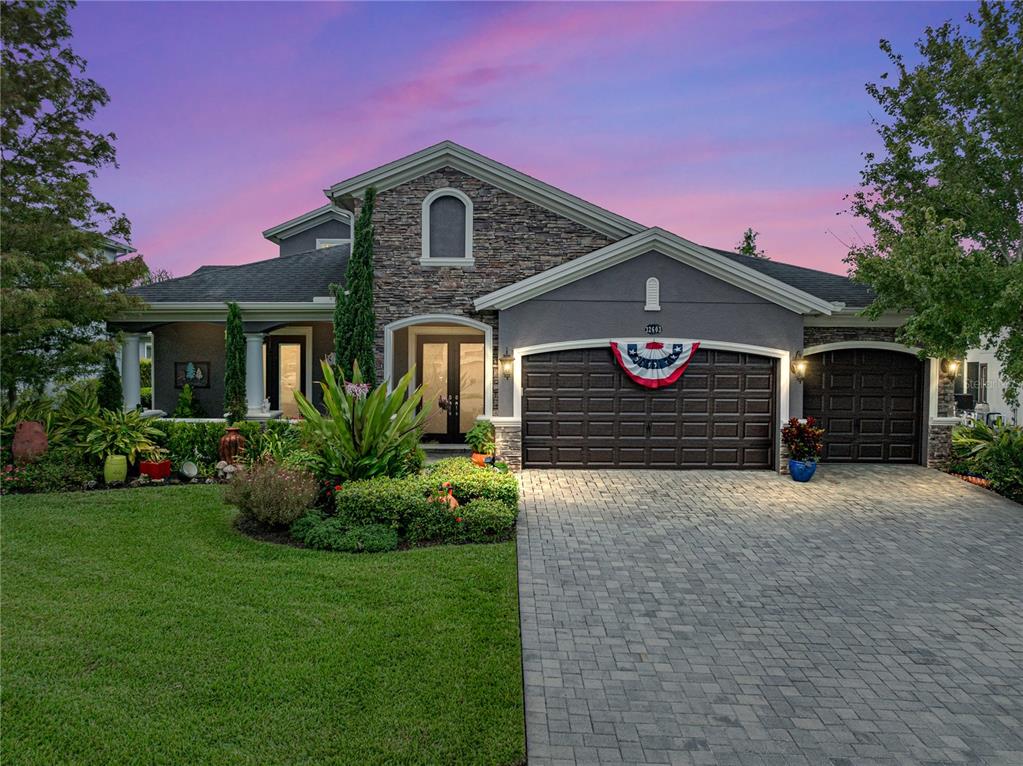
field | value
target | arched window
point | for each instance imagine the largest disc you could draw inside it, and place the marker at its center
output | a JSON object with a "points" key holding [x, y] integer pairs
{"points": [[653, 295], [447, 229]]}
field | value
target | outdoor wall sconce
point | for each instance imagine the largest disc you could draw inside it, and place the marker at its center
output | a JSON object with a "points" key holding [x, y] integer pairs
{"points": [[951, 368], [507, 364], [799, 367]]}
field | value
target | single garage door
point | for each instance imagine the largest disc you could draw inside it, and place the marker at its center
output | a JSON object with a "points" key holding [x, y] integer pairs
{"points": [[870, 403], [579, 410]]}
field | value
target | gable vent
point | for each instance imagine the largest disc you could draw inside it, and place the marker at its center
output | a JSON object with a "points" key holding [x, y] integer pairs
{"points": [[653, 295]]}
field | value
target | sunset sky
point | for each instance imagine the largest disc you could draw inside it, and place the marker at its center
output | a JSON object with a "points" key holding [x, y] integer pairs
{"points": [[701, 118]]}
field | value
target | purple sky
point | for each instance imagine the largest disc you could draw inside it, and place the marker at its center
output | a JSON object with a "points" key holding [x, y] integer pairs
{"points": [[701, 118]]}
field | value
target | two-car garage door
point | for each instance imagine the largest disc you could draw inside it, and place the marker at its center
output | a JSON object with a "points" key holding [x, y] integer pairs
{"points": [[580, 410]]}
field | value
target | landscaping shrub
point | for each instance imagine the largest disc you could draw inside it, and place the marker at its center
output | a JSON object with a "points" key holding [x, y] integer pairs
{"points": [[992, 451], [271, 494], [481, 437], [59, 469], [471, 482], [122, 433], [436, 522], [305, 524], [371, 538], [392, 502], [326, 535], [188, 406], [197, 442], [365, 432], [804, 439], [486, 521]]}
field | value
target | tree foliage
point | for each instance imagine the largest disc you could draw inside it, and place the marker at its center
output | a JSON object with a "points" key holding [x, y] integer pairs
{"points": [[354, 320], [234, 365], [57, 284], [944, 200], [748, 245]]}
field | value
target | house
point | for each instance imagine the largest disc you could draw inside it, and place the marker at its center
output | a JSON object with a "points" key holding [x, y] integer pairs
{"points": [[505, 293]]}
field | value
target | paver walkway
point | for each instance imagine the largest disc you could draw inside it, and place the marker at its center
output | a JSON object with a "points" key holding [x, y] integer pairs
{"points": [[873, 616]]}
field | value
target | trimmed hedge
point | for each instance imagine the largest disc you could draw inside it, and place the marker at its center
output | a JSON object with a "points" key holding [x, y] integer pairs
{"points": [[470, 482], [413, 506], [332, 534]]}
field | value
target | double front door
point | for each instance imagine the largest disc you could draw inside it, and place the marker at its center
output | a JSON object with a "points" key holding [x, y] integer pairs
{"points": [[451, 370]]}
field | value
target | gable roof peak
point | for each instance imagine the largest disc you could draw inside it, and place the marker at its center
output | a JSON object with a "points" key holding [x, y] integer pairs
{"points": [[447, 153]]}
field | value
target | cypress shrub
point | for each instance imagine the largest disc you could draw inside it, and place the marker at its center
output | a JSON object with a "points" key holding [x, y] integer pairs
{"points": [[354, 321], [109, 392], [234, 365]]}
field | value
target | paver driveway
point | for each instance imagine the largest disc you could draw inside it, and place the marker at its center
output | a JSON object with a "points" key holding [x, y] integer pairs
{"points": [[874, 615]]}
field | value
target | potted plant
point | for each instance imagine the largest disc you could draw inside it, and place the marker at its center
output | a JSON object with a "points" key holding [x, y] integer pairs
{"points": [[804, 440], [157, 466], [120, 438], [481, 438]]}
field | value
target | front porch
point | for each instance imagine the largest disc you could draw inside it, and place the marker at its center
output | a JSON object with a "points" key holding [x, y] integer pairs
{"points": [[280, 359]]}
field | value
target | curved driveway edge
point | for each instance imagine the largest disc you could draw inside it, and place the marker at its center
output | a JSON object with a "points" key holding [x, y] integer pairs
{"points": [[872, 616]]}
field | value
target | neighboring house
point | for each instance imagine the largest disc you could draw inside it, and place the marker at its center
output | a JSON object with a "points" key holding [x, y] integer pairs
{"points": [[505, 293], [979, 381]]}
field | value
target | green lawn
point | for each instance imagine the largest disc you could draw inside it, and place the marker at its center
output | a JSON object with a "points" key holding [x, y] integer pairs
{"points": [[140, 627]]}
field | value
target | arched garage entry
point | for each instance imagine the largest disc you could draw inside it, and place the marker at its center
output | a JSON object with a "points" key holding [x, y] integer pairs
{"points": [[580, 410], [870, 400]]}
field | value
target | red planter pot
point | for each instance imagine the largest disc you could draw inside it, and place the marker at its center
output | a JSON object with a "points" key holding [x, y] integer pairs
{"points": [[155, 469]]}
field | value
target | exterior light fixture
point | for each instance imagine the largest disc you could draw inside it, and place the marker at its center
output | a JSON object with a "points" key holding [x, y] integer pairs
{"points": [[799, 367], [951, 367], [507, 364]]}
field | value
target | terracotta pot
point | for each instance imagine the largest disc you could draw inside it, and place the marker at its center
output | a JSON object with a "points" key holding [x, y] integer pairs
{"points": [[231, 445], [155, 469], [115, 469], [29, 442], [479, 458]]}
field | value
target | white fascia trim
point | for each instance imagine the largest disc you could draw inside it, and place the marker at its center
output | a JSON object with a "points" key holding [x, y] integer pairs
{"points": [[427, 319], [846, 344], [217, 311], [450, 154], [668, 244], [425, 259], [328, 212], [853, 317]]}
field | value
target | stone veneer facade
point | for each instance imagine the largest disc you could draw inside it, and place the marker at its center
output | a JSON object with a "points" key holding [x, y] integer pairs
{"points": [[815, 336], [512, 239]]}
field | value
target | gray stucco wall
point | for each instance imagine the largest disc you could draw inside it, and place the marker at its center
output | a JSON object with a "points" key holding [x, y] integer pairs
{"points": [[611, 304], [188, 342], [306, 240]]}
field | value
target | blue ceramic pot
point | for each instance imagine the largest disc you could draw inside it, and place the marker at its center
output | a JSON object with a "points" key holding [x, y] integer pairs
{"points": [[802, 470]]}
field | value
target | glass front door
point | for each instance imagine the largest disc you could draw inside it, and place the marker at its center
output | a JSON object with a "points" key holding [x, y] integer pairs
{"points": [[286, 373], [451, 370]]}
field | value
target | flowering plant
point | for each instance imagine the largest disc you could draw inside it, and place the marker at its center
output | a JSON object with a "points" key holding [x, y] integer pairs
{"points": [[803, 438]]}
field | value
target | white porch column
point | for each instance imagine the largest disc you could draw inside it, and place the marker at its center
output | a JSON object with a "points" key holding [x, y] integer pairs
{"points": [[254, 372], [131, 381]]}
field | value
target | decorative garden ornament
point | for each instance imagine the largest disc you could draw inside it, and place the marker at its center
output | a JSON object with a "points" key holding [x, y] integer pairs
{"points": [[115, 469], [29, 443], [231, 445]]}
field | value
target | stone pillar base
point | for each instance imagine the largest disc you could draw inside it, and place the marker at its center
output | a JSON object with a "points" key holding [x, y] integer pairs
{"points": [[939, 442], [508, 435]]}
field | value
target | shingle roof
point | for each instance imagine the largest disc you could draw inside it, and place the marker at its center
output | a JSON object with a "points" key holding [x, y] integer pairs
{"points": [[823, 284], [298, 277]]}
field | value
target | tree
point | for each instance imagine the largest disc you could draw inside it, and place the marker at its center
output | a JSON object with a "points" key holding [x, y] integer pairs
{"points": [[109, 393], [354, 320], [57, 285], [748, 245], [234, 365], [944, 200]]}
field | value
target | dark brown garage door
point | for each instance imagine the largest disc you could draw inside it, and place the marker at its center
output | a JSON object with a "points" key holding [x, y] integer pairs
{"points": [[870, 403], [580, 410]]}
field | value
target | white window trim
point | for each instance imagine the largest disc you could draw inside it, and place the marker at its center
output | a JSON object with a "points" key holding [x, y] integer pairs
{"points": [[451, 319], [331, 242], [425, 259], [653, 294]]}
